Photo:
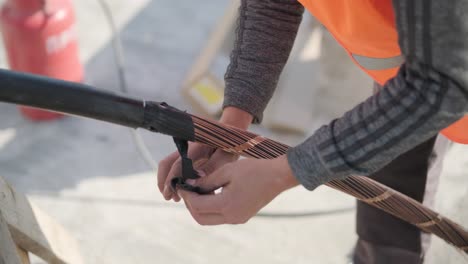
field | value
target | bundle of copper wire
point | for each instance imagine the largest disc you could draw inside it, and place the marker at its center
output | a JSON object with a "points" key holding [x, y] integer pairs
{"points": [[362, 188]]}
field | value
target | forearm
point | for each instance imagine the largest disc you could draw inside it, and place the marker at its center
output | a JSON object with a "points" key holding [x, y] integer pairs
{"points": [[429, 93], [236, 117], [265, 36]]}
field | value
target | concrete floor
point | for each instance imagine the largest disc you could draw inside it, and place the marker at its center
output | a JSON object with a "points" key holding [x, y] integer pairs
{"points": [[89, 176]]}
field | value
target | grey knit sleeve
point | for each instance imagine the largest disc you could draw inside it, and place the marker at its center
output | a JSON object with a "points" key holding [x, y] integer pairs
{"points": [[264, 38], [429, 93]]}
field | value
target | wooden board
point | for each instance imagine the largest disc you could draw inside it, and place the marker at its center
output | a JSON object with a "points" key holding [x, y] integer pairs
{"points": [[209, 63], [206, 95], [222, 32], [8, 251], [35, 231], [23, 255]]}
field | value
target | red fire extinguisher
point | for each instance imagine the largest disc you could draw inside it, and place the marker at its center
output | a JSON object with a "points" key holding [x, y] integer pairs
{"points": [[40, 38]]}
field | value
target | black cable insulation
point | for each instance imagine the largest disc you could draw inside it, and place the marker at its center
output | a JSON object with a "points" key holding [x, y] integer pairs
{"points": [[70, 98]]}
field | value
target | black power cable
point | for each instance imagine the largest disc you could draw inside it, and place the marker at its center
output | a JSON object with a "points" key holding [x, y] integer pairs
{"points": [[139, 142]]}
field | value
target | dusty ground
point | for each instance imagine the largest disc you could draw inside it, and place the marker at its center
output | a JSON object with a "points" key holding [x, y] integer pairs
{"points": [[89, 176]]}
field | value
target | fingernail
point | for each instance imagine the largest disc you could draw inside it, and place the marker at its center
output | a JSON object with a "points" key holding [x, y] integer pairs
{"points": [[165, 193], [201, 173]]}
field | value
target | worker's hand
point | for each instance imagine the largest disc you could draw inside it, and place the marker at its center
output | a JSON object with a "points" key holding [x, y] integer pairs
{"points": [[247, 186], [205, 159]]}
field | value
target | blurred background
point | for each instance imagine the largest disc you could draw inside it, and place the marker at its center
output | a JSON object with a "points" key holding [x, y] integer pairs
{"points": [[91, 178]]}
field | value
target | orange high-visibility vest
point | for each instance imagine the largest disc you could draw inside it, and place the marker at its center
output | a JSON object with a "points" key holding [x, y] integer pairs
{"points": [[366, 29]]}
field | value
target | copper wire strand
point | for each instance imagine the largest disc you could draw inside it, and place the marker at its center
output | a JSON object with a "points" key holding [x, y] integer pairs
{"points": [[395, 206], [232, 136], [399, 203], [202, 126]]}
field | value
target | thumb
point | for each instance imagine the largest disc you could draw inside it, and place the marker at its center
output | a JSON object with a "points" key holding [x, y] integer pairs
{"points": [[215, 180], [216, 161]]}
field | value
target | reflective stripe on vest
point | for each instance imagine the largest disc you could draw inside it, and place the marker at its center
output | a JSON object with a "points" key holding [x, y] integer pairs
{"points": [[370, 63]]}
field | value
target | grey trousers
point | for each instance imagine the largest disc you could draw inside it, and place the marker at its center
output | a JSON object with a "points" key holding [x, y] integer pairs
{"points": [[384, 238]]}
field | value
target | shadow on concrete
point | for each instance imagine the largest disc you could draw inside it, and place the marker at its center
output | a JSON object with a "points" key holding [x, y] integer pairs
{"points": [[160, 44]]}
